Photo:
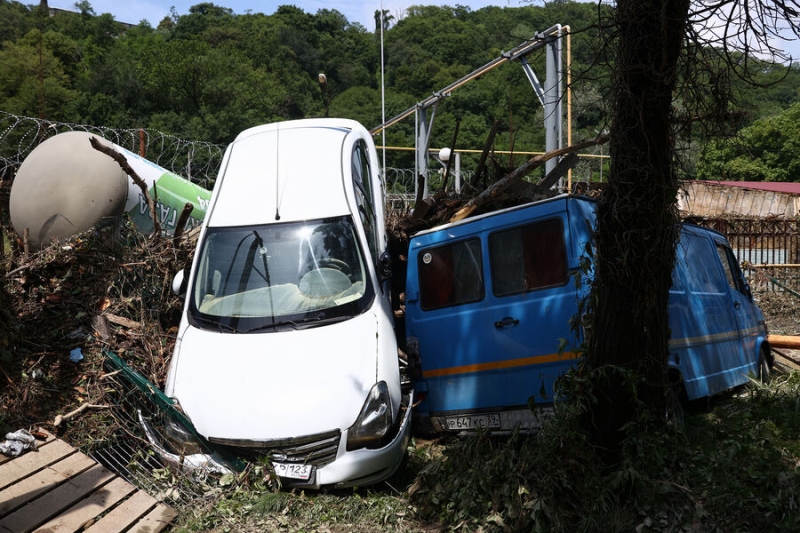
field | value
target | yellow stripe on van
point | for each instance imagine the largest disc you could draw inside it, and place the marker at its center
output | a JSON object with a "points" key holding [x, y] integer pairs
{"points": [[499, 365], [687, 342]]}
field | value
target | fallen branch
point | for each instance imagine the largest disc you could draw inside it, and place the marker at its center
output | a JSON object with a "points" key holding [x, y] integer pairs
{"points": [[17, 270], [520, 173], [182, 220], [122, 321], [123, 163], [109, 375], [76, 412], [11, 381], [481, 169]]}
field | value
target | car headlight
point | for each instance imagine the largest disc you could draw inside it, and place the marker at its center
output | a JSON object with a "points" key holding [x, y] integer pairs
{"points": [[181, 439], [374, 421]]}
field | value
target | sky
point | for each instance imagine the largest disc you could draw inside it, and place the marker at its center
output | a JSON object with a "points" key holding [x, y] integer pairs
{"points": [[361, 11]]}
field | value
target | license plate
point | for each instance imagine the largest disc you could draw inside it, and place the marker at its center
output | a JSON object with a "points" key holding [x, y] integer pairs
{"points": [[489, 420], [293, 470]]}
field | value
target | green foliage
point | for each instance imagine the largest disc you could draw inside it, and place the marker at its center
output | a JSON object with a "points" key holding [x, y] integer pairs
{"points": [[768, 150], [359, 103], [244, 506], [544, 482], [210, 73], [15, 21], [777, 88], [33, 81]]}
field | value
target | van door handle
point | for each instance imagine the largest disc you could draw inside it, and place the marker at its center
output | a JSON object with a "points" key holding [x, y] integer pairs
{"points": [[506, 322]]}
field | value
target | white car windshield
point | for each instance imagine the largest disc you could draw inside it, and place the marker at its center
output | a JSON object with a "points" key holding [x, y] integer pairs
{"points": [[279, 276]]}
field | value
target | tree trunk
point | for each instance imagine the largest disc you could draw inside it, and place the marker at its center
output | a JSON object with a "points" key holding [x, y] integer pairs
{"points": [[636, 221]]}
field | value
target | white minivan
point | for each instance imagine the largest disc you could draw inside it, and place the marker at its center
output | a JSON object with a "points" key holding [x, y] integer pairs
{"points": [[286, 347]]}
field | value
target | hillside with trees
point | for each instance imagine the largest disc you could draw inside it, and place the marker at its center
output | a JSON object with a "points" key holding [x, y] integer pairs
{"points": [[764, 151], [208, 74]]}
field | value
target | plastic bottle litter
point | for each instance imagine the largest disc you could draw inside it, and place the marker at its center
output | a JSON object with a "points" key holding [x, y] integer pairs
{"points": [[17, 442], [76, 355]]}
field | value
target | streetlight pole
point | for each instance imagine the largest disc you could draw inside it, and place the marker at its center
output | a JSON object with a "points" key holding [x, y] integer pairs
{"points": [[323, 81]]}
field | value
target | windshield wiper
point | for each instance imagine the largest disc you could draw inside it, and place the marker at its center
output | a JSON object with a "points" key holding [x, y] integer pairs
{"points": [[300, 323], [219, 326]]}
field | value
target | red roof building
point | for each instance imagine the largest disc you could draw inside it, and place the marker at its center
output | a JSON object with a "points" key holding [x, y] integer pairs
{"points": [[785, 187]]}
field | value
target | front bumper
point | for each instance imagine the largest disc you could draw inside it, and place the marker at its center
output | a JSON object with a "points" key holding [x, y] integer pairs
{"points": [[365, 467], [350, 468]]}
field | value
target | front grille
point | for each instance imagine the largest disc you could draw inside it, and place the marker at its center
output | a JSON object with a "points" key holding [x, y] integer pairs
{"points": [[317, 450]]}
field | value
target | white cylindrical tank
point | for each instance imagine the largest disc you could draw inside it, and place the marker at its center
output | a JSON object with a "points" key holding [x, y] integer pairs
{"points": [[65, 187]]}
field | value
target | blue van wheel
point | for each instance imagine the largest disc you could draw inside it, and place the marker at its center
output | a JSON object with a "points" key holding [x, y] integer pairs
{"points": [[673, 407], [765, 362]]}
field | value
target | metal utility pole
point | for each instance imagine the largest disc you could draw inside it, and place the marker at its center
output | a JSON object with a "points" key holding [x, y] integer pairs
{"points": [[549, 94]]}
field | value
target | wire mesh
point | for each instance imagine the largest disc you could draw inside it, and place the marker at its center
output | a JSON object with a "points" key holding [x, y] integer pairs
{"points": [[127, 452], [197, 161]]}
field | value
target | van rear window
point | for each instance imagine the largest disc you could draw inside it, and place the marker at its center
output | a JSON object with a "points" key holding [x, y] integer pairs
{"points": [[528, 257], [450, 274]]}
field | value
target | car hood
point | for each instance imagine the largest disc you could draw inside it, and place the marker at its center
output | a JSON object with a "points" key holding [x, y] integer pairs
{"points": [[261, 386]]}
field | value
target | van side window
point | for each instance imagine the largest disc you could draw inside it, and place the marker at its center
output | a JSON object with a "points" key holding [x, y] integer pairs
{"points": [[731, 268], [362, 185], [677, 280], [450, 274], [528, 257], [701, 251]]}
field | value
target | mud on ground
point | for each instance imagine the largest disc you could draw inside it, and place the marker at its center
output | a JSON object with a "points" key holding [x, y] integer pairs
{"points": [[781, 310]]}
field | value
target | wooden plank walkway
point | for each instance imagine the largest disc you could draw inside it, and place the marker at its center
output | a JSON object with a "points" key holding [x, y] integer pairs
{"points": [[59, 490]]}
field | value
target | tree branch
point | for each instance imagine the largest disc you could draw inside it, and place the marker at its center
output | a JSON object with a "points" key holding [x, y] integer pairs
{"points": [[86, 405], [520, 172], [123, 163]]}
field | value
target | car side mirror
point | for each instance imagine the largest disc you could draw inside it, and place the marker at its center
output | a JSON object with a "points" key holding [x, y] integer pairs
{"points": [[385, 266], [179, 283]]}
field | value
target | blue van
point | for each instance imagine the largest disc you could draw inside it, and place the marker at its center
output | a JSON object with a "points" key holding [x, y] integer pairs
{"points": [[489, 302]]}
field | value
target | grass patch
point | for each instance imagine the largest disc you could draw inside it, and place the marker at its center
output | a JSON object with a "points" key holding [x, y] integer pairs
{"points": [[732, 467]]}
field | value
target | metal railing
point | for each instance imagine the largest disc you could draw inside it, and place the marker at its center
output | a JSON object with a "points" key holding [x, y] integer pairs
{"points": [[770, 247]]}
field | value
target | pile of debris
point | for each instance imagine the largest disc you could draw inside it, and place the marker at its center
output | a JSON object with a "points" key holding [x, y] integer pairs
{"points": [[106, 289]]}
